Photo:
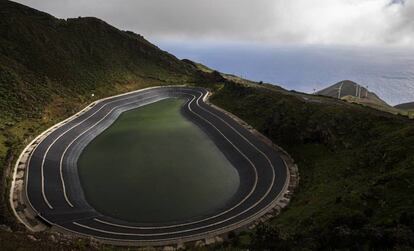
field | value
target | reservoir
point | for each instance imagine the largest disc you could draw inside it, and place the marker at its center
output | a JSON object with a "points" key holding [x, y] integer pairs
{"points": [[152, 165]]}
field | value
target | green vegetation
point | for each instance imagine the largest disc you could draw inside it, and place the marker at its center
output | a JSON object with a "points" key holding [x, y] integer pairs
{"points": [[355, 164], [42, 241], [123, 175]]}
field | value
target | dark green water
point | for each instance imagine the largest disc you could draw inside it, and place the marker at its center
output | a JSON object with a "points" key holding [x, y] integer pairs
{"points": [[153, 165]]}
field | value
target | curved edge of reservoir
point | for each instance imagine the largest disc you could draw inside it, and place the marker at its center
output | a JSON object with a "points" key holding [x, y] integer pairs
{"points": [[46, 191], [153, 165]]}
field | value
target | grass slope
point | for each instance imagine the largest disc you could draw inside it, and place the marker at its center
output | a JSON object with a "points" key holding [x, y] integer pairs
{"points": [[355, 164], [43, 57]]}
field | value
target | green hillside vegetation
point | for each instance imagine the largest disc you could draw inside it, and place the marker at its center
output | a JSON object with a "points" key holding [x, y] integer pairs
{"points": [[42, 57], [356, 171], [356, 163]]}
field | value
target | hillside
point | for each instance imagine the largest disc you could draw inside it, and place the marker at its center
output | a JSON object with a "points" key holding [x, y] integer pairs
{"points": [[349, 88], [229, 77], [50, 68], [356, 163], [406, 106], [43, 57], [354, 93]]}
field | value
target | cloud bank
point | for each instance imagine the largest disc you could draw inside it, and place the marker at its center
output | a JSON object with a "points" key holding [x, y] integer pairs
{"points": [[328, 22]]}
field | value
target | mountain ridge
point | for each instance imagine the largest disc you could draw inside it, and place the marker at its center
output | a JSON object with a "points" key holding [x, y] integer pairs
{"points": [[405, 106], [75, 56], [353, 92], [350, 88]]}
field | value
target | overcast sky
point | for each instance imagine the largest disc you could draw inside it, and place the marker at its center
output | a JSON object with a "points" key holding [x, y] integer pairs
{"points": [[321, 22]]}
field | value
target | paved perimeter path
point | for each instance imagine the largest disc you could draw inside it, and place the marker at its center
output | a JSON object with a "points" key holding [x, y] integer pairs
{"points": [[53, 190]]}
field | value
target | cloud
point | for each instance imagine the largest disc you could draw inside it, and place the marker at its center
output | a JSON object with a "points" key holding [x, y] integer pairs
{"points": [[338, 22], [397, 2]]}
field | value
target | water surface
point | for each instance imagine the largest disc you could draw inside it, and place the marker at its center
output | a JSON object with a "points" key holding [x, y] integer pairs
{"points": [[387, 71], [154, 166]]}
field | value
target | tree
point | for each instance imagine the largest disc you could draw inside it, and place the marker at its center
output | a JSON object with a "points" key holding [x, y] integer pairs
{"points": [[267, 237]]}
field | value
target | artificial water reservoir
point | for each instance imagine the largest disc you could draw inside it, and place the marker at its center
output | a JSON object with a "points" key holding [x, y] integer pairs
{"points": [[152, 165]]}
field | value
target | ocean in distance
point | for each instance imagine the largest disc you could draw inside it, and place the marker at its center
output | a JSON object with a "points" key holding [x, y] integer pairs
{"points": [[389, 72]]}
